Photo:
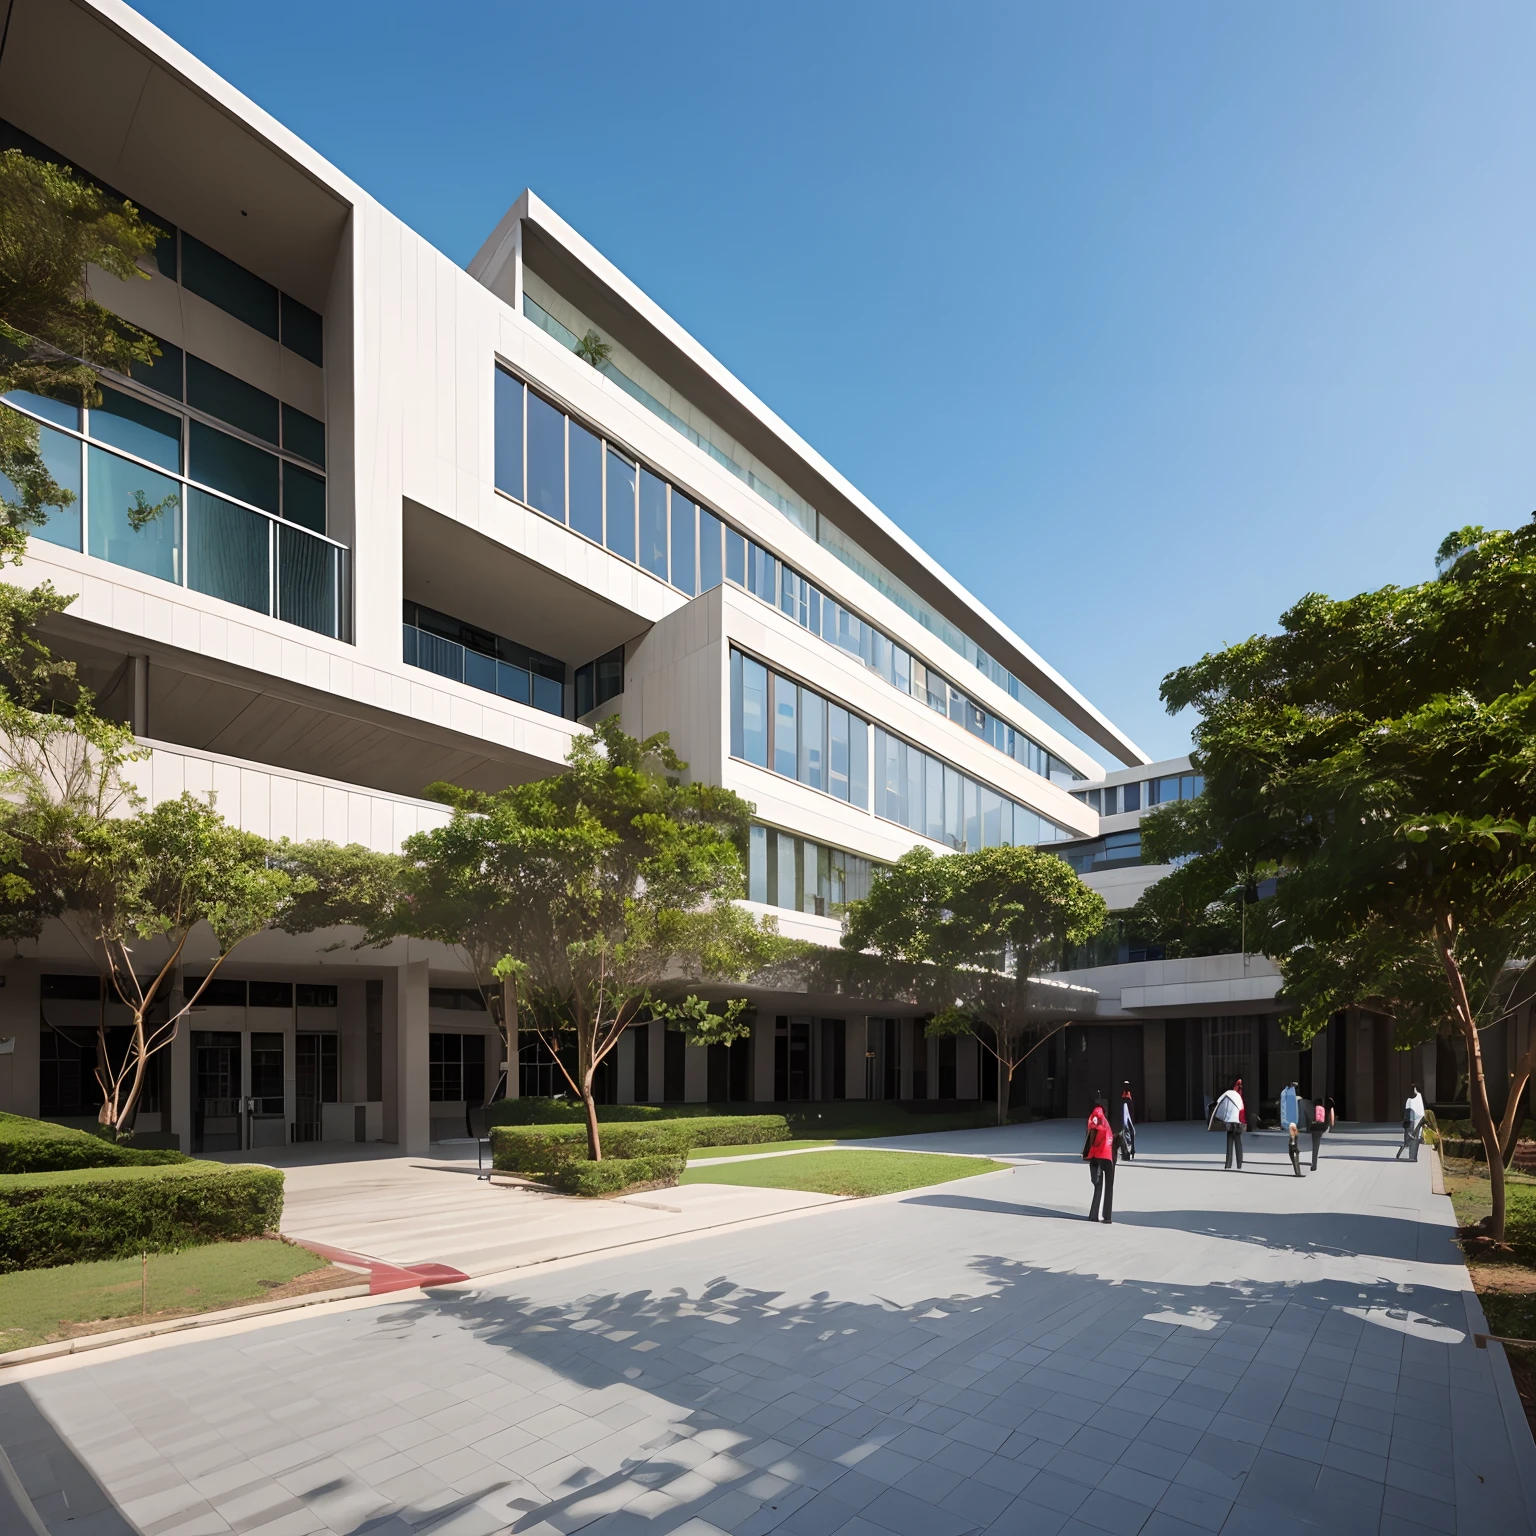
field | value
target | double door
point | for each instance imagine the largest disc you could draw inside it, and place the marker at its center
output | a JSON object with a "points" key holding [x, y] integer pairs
{"points": [[237, 1090]]}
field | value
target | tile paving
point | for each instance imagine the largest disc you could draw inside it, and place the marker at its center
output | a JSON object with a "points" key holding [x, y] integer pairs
{"points": [[1237, 1353]]}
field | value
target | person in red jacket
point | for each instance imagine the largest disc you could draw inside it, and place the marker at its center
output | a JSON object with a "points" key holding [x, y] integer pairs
{"points": [[1099, 1154]]}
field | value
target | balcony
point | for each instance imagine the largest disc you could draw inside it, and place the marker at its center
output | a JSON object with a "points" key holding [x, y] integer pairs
{"points": [[475, 669], [146, 516]]}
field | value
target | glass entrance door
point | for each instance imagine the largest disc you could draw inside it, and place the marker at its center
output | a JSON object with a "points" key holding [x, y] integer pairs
{"points": [[267, 1121], [216, 1096], [314, 1083]]}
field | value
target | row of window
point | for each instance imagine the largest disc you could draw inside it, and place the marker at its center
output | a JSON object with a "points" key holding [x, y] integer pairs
{"points": [[137, 517], [926, 795], [206, 272], [833, 539], [1118, 799], [779, 724], [551, 462], [184, 445], [1115, 850], [455, 1069], [803, 876], [222, 992], [795, 731]]}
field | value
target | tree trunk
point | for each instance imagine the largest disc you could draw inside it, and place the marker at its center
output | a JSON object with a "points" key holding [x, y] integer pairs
{"points": [[594, 1141], [1004, 1087], [1477, 1087], [1509, 1126]]}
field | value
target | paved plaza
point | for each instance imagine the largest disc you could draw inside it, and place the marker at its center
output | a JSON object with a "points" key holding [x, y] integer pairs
{"points": [[1237, 1353]]}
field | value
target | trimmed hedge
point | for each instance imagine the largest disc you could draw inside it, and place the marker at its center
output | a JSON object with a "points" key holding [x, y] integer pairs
{"points": [[569, 1112], [615, 1175], [48, 1219], [544, 1149], [37, 1146]]}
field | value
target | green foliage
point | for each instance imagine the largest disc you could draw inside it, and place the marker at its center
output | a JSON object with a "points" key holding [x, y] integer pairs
{"points": [[107, 1213], [616, 1175], [540, 1149], [1199, 907], [37, 1146], [593, 349], [1379, 754], [968, 936]]}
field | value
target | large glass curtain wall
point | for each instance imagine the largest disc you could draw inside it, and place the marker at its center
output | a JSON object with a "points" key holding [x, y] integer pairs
{"points": [[1119, 799], [928, 796], [550, 461], [167, 494], [802, 876]]}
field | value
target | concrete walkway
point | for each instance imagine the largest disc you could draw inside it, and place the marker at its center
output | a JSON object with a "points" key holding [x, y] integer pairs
{"points": [[1237, 1354]]}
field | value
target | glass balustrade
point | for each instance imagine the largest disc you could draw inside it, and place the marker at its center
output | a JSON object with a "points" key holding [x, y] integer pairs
{"points": [[447, 658]]}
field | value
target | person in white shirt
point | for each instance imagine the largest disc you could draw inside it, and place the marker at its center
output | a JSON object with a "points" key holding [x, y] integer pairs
{"points": [[1230, 1113], [1413, 1124]]}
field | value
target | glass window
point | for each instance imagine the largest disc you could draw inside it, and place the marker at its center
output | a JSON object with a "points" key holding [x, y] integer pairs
{"points": [[1191, 785], [991, 818], [735, 557], [509, 434], [1130, 796], [710, 570], [837, 751], [546, 458], [228, 551], [762, 574], [757, 864], [916, 779], [786, 753], [888, 775], [586, 482], [972, 815], [621, 506], [232, 465], [954, 820], [221, 394], [754, 711], [303, 498], [653, 523], [303, 331], [128, 423], [933, 801], [61, 458], [858, 763], [57, 411], [163, 374], [684, 514], [303, 435], [213, 276], [135, 516], [813, 739]]}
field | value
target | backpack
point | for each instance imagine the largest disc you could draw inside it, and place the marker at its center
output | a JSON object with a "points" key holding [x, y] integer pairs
{"points": [[1319, 1115]]}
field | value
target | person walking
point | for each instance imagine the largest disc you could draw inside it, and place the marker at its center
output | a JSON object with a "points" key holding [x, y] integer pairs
{"points": [[1322, 1120], [1231, 1113], [1099, 1154], [1413, 1124], [1126, 1141], [1290, 1123]]}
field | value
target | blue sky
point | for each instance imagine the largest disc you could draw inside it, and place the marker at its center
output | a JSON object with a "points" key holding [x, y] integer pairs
{"points": [[1144, 319]]}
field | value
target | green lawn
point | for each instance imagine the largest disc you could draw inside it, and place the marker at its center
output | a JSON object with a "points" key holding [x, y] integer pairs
{"points": [[37, 1305], [753, 1149], [840, 1172]]}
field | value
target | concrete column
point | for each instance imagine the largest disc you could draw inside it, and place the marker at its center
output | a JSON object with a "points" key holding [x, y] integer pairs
{"points": [[695, 1074], [21, 1027], [624, 1067], [179, 1119], [413, 1122], [1154, 1070]]}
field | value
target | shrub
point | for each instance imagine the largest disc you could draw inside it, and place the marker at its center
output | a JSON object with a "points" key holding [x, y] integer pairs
{"points": [[47, 1219], [570, 1112], [543, 1149], [37, 1146], [615, 1175]]}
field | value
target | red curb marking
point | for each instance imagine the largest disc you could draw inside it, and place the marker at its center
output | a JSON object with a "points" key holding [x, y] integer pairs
{"points": [[384, 1276]]}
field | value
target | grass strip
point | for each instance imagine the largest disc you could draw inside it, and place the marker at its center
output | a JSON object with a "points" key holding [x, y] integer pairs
{"points": [[756, 1149], [40, 1305], [839, 1172]]}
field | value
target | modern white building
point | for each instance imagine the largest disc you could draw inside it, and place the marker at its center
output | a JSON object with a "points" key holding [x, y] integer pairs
{"points": [[409, 533]]}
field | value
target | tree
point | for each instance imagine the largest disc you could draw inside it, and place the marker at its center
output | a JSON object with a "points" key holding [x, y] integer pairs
{"points": [[54, 227], [975, 931], [1378, 755], [130, 885], [581, 903]]}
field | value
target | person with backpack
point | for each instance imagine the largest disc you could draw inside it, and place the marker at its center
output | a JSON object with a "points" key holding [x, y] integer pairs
{"points": [[1413, 1124], [1099, 1154], [1322, 1120], [1290, 1123], [1231, 1114]]}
